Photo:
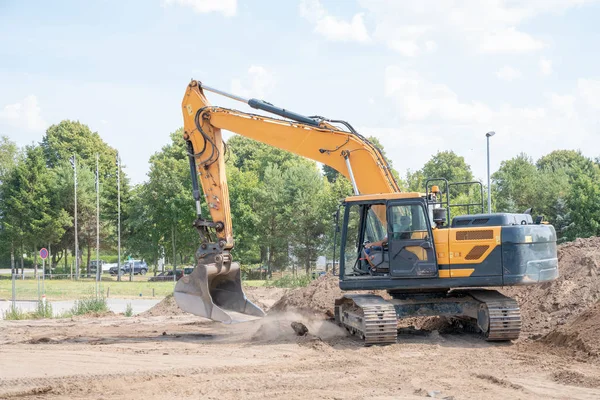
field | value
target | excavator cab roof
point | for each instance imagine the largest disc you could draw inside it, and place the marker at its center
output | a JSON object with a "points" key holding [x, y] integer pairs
{"points": [[384, 196]]}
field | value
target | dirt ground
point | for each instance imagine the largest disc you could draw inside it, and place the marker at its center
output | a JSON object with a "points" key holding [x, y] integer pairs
{"points": [[183, 356], [165, 353]]}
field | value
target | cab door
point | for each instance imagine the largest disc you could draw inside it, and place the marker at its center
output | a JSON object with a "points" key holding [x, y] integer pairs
{"points": [[410, 241]]}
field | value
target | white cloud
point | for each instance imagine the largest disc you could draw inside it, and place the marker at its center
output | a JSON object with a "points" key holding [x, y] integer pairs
{"points": [[509, 40], [419, 99], [24, 115], [563, 104], [334, 28], [431, 46], [589, 90], [488, 26], [258, 83], [225, 7], [508, 73], [545, 67], [434, 113]]}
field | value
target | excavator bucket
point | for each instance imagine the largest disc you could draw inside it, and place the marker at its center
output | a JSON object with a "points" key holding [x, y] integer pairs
{"points": [[215, 291]]}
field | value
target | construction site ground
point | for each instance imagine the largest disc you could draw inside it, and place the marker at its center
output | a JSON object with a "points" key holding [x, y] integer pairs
{"points": [[165, 353]]}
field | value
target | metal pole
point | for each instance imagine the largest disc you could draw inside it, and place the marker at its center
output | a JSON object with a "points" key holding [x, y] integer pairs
{"points": [[489, 188], [43, 276], [98, 268], [119, 215], [74, 162], [489, 192], [14, 291]]}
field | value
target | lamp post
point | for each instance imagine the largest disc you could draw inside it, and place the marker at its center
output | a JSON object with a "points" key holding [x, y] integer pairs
{"points": [[489, 188], [119, 215], [74, 164]]}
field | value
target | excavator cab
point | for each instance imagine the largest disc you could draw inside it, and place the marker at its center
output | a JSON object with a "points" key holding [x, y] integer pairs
{"points": [[387, 237]]}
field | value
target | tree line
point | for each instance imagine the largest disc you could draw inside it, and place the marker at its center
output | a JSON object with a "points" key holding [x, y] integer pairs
{"points": [[282, 205]]}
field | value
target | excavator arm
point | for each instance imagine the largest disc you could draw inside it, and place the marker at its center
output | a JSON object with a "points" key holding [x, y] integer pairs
{"points": [[213, 290]]}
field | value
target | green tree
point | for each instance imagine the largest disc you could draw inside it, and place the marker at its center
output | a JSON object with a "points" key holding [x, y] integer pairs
{"points": [[69, 138], [444, 164], [306, 194], [515, 184], [244, 188], [8, 159], [583, 205], [272, 212], [63, 189], [31, 218]]}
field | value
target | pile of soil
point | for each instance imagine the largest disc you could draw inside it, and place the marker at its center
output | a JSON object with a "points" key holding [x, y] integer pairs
{"points": [[580, 333], [167, 307], [546, 306], [259, 296], [317, 298]]}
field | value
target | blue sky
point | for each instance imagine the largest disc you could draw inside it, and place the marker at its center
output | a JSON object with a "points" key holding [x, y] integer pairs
{"points": [[421, 76]]}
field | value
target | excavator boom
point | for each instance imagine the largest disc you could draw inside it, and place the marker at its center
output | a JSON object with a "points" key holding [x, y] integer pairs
{"points": [[214, 289]]}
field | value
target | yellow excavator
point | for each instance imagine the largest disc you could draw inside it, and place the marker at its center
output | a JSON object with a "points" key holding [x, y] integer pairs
{"points": [[403, 242]]}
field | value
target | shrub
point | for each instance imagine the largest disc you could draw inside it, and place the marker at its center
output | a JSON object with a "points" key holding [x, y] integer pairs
{"points": [[44, 310], [90, 305], [128, 310], [290, 281], [14, 313]]}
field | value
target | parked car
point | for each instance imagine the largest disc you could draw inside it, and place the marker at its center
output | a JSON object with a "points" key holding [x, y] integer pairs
{"points": [[165, 276], [114, 270], [139, 267], [93, 266]]}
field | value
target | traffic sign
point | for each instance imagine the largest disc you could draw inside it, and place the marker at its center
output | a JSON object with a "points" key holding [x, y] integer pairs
{"points": [[44, 253]]}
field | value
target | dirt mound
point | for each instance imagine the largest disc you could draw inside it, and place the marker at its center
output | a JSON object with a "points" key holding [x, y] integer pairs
{"points": [[580, 333], [316, 298], [546, 306], [167, 307], [262, 297]]}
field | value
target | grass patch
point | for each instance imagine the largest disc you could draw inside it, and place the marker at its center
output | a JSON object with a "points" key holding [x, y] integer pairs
{"points": [[14, 313], [128, 310], [66, 289], [254, 283], [43, 310], [290, 281], [90, 305]]}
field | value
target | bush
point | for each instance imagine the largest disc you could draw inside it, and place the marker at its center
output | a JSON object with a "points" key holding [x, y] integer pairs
{"points": [[90, 305], [14, 313], [128, 310], [44, 310], [290, 281]]}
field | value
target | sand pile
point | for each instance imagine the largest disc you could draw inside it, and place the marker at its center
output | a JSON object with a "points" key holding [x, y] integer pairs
{"points": [[167, 307], [262, 297], [316, 298], [580, 333], [552, 304]]}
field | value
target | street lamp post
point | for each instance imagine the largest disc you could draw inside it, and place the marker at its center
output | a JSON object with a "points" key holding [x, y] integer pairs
{"points": [[119, 215], [74, 164], [98, 267], [489, 187]]}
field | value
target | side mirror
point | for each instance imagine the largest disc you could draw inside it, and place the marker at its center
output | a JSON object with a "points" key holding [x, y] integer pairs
{"points": [[426, 245]]}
